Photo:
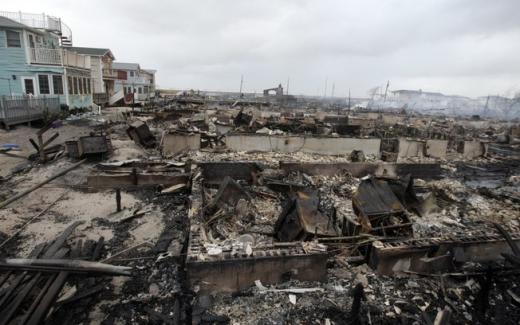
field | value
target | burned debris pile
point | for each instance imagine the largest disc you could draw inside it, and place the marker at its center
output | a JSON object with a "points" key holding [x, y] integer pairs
{"points": [[208, 211]]}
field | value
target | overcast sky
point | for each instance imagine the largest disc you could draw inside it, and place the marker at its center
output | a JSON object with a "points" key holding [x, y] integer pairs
{"points": [[466, 47]]}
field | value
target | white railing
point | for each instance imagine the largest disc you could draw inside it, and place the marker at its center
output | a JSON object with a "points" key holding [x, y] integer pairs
{"points": [[34, 20], [58, 57], [109, 73], [46, 56]]}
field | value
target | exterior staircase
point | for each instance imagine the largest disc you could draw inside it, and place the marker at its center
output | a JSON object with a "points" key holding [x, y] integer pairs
{"points": [[116, 97]]}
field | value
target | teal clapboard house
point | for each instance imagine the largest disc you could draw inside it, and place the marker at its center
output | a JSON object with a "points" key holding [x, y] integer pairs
{"points": [[35, 60]]}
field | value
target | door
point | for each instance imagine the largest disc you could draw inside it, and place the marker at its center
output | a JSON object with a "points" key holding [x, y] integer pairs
{"points": [[31, 41], [28, 86]]}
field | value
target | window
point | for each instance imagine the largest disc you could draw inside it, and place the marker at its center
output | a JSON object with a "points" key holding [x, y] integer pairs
{"points": [[75, 86], [140, 90], [131, 73], [70, 84], [57, 84], [81, 85], [13, 39], [146, 90], [89, 89], [31, 41], [29, 86], [43, 81]]}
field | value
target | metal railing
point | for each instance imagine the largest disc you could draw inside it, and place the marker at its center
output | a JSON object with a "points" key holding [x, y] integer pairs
{"points": [[58, 57], [22, 109], [41, 21]]}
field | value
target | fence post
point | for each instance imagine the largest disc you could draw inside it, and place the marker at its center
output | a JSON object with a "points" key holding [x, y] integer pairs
{"points": [[45, 109]]}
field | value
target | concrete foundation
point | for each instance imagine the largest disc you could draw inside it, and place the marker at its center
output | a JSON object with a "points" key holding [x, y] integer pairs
{"points": [[411, 148], [235, 271], [473, 149], [174, 143], [308, 144], [389, 258], [436, 148], [423, 171]]}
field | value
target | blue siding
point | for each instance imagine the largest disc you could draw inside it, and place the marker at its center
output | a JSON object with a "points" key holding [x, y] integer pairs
{"points": [[12, 62]]}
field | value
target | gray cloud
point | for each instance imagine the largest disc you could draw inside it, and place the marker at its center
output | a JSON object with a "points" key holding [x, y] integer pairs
{"points": [[469, 47]]}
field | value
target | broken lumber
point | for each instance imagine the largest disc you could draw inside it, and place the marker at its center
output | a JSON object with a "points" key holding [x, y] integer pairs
{"points": [[73, 266], [135, 179]]}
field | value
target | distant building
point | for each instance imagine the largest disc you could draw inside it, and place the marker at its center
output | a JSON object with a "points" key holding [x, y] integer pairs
{"points": [[36, 60], [278, 91], [138, 85]]}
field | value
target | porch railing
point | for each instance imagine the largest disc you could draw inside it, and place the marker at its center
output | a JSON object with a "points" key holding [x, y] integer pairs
{"points": [[109, 73], [58, 57], [100, 98], [23, 109]]}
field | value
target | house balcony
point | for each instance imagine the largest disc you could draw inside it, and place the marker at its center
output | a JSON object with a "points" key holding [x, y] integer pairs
{"points": [[59, 57], [109, 74]]}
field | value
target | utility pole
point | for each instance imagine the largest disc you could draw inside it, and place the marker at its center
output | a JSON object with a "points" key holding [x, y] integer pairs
{"points": [[325, 91], [348, 112], [241, 84], [386, 90]]}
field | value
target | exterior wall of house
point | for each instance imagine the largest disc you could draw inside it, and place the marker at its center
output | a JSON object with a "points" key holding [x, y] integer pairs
{"points": [[12, 62], [141, 83], [78, 93], [14, 69], [96, 73]]}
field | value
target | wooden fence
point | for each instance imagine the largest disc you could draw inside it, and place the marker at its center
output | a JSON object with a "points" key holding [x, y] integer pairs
{"points": [[23, 109]]}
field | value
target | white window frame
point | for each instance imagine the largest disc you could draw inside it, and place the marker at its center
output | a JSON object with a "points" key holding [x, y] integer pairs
{"points": [[51, 85], [49, 81], [20, 35]]}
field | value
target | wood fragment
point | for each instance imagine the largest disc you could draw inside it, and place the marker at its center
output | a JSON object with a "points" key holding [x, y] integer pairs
{"points": [[146, 243], [74, 266]]}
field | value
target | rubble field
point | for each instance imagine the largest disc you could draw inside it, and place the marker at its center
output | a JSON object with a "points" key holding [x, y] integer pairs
{"points": [[200, 211]]}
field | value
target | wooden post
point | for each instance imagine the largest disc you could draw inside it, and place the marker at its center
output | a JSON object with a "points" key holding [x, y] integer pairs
{"points": [[118, 199], [43, 158]]}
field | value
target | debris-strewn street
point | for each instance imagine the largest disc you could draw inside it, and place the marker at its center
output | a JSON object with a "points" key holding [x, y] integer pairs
{"points": [[198, 210]]}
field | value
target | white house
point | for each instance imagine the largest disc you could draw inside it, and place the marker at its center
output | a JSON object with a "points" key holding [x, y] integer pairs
{"points": [[137, 84], [102, 76]]}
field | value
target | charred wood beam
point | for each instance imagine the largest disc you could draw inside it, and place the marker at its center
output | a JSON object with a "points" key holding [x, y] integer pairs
{"points": [[57, 265], [130, 180]]}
